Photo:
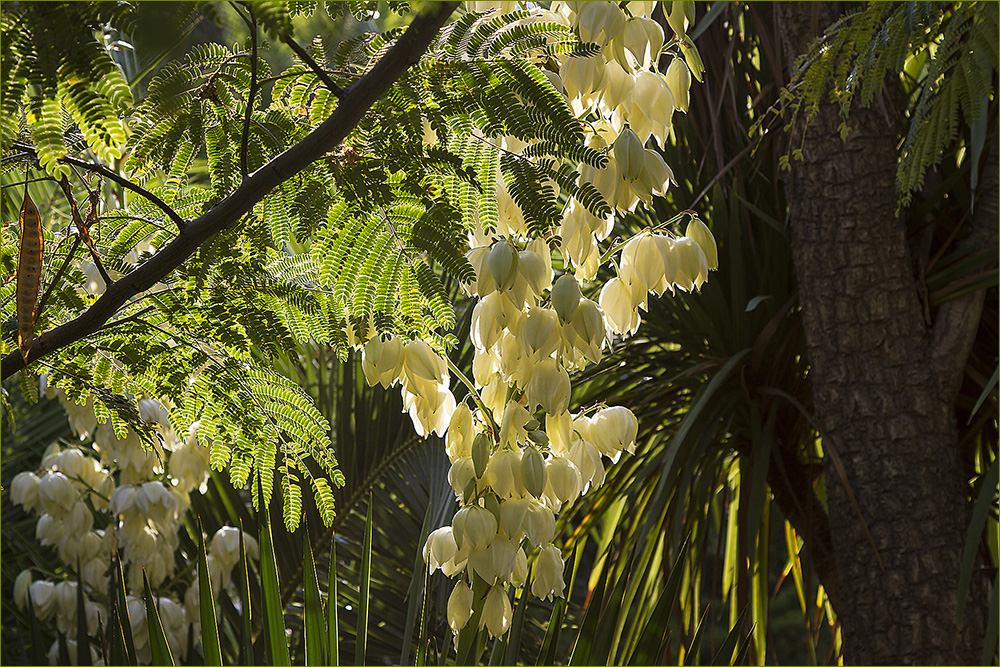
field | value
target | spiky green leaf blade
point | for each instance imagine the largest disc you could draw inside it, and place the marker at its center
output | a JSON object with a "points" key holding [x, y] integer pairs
{"points": [[314, 626], [516, 629], [82, 638], [417, 592], [332, 621], [211, 648], [125, 623], [984, 502], [550, 643], [725, 653], [246, 608], [158, 647], [586, 636], [364, 590], [274, 617], [647, 649]]}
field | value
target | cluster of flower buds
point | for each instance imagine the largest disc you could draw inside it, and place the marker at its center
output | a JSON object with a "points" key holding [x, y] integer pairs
{"points": [[147, 507]]}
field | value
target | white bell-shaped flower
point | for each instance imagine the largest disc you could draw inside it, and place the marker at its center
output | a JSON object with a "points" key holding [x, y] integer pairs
{"points": [[461, 431], [699, 232], [563, 481], [474, 528], [503, 473], [616, 302], [613, 430], [547, 574], [497, 612], [440, 548], [692, 265], [382, 361], [489, 318], [24, 490], [459, 607], [539, 523], [678, 78], [600, 22], [643, 37], [549, 387], [539, 332]]}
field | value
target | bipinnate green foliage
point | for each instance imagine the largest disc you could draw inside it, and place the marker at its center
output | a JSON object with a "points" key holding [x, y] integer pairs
{"points": [[56, 73], [369, 240], [947, 54]]}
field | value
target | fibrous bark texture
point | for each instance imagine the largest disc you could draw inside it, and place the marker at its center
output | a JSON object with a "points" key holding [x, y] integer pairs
{"points": [[898, 509]]}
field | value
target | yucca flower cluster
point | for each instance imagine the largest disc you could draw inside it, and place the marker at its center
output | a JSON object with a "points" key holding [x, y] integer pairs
{"points": [[518, 454], [145, 495]]}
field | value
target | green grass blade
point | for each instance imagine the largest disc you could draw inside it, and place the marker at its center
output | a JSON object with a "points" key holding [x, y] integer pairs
{"points": [[158, 646], [82, 638], [210, 645], [987, 390], [314, 625], [246, 610], [984, 501], [332, 622], [364, 589], [274, 618]]}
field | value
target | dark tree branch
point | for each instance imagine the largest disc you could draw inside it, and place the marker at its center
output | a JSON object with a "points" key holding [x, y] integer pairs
{"points": [[357, 100], [120, 180], [315, 67]]}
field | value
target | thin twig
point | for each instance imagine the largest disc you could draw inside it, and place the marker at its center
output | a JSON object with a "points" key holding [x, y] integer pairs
{"points": [[59, 273], [82, 231], [120, 180], [314, 66], [252, 24]]}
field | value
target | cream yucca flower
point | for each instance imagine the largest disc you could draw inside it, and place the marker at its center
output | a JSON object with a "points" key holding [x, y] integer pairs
{"points": [[547, 574], [497, 612], [459, 607]]}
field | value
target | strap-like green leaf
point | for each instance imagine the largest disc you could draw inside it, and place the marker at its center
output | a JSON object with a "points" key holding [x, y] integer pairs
{"points": [[274, 617], [314, 625], [158, 647], [364, 589], [206, 602]]}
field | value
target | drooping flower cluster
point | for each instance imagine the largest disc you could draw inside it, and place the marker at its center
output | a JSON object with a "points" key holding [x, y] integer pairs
{"points": [[518, 454], [146, 494]]}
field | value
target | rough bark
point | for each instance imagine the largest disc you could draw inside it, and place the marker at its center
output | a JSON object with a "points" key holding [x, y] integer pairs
{"points": [[878, 396]]}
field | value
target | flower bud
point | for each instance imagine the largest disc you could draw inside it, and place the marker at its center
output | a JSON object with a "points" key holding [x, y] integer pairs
{"points": [[566, 297], [533, 471], [480, 453], [502, 263], [547, 575], [497, 612], [630, 156], [459, 606]]}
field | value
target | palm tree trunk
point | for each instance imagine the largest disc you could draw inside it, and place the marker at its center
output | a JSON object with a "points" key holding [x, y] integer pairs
{"points": [[898, 507]]}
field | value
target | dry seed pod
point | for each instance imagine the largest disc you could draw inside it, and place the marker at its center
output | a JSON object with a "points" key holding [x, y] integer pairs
{"points": [[29, 273]]}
